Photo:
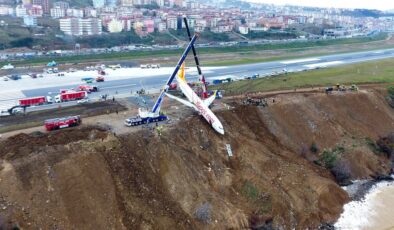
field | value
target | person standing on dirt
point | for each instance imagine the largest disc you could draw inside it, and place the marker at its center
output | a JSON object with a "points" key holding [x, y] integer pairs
{"points": [[113, 99]]}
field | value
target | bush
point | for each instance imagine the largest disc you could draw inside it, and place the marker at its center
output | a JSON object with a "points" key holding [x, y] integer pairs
{"points": [[314, 149], [250, 191], [372, 145], [329, 157], [390, 90], [386, 145]]}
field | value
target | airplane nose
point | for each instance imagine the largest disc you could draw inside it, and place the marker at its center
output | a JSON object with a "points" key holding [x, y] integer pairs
{"points": [[218, 128]]}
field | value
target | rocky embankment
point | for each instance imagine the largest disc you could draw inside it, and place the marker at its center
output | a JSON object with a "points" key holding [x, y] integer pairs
{"points": [[287, 160]]}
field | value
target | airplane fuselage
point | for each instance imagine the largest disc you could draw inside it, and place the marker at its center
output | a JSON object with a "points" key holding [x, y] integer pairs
{"points": [[203, 109]]}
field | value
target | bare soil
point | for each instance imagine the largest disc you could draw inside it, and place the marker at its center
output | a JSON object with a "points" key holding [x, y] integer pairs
{"points": [[90, 178]]}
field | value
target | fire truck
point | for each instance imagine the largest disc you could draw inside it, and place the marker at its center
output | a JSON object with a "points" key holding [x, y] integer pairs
{"points": [[32, 101], [61, 123], [70, 96], [87, 88]]}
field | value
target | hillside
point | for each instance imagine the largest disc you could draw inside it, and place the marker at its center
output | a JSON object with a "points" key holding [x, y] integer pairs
{"points": [[88, 178]]}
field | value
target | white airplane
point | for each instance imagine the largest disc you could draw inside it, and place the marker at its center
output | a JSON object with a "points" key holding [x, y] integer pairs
{"points": [[201, 106]]}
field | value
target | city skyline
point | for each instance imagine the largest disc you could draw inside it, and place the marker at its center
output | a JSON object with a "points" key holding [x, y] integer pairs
{"points": [[365, 4]]}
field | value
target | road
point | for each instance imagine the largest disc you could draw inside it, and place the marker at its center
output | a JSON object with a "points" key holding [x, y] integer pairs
{"points": [[130, 84]]}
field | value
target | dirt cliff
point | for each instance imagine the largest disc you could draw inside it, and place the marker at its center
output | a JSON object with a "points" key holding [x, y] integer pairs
{"points": [[87, 178]]}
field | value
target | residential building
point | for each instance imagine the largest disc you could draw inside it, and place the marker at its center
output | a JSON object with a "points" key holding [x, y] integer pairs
{"points": [[30, 21], [98, 3], [160, 3], [89, 12], [58, 12], [161, 26], [91, 26], [80, 26], [20, 11], [112, 3], [71, 26], [35, 10], [172, 22], [26, 2], [6, 10], [243, 29], [72, 12], [61, 4], [44, 4], [127, 2]]}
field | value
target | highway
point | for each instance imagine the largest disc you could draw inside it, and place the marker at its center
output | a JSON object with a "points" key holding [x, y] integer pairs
{"points": [[127, 85]]}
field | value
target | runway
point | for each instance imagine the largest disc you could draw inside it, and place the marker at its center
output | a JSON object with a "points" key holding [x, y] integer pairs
{"points": [[124, 82]]}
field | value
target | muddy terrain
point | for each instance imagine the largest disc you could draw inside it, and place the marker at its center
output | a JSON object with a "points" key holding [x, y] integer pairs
{"points": [[183, 177]]}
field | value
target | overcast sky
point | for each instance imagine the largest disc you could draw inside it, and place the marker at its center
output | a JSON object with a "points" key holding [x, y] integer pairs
{"points": [[368, 4]]}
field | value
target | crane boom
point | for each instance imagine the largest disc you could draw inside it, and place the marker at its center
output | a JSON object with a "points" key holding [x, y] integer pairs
{"points": [[193, 49], [157, 105]]}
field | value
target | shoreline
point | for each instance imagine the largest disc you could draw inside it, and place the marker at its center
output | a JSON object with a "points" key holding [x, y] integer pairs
{"points": [[364, 204]]}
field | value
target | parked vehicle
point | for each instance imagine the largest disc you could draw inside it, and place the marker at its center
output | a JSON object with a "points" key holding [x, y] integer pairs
{"points": [[217, 81], [32, 101], [33, 75], [64, 122], [15, 77], [87, 88], [144, 120], [70, 96], [4, 113], [52, 64], [83, 101], [100, 79], [87, 79]]}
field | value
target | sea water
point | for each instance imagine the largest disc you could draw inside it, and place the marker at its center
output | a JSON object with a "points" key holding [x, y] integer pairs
{"points": [[374, 212]]}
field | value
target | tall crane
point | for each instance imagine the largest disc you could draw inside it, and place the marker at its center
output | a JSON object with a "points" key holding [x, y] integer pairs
{"points": [[154, 115], [201, 76]]}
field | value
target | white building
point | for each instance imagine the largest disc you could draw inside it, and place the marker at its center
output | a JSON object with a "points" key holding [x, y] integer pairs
{"points": [[243, 29], [58, 12], [30, 21], [172, 23], [6, 10], [78, 13], [80, 26], [71, 26], [160, 3], [89, 12], [98, 3], [20, 11], [91, 26], [61, 4]]}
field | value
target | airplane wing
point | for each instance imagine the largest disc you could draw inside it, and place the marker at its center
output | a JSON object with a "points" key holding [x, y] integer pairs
{"points": [[210, 99], [187, 103]]}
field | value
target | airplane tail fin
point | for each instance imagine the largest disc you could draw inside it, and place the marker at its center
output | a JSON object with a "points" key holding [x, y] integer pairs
{"points": [[181, 73], [210, 99]]}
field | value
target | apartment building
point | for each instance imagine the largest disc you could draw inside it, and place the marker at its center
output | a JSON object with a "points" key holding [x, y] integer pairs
{"points": [[80, 26]]}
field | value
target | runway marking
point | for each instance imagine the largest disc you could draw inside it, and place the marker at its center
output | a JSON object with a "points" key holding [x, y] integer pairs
{"points": [[324, 64], [300, 61], [118, 86]]}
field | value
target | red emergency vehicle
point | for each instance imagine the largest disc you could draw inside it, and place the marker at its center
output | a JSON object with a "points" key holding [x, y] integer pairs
{"points": [[61, 123]]}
